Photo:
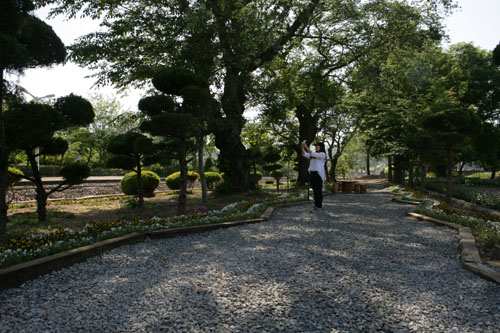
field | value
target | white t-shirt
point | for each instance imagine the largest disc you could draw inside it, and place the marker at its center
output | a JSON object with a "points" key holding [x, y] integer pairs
{"points": [[317, 162]]}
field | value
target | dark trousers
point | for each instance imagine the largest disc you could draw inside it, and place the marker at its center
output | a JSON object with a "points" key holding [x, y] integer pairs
{"points": [[317, 186]]}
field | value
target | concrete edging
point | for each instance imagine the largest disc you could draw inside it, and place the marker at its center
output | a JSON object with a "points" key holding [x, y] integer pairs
{"points": [[16, 275], [416, 203], [469, 254]]}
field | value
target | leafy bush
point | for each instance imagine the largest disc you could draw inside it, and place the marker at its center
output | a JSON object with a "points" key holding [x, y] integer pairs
{"points": [[225, 188], [13, 176], [478, 182], [150, 182], [212, 178], [484, 199], [269, 181], [173, 180], [75, 173]]}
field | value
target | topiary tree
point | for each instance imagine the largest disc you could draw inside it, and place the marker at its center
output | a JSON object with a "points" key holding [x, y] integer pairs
{"points": [[173, 181], [131, 151], [25, 42], [277, 175], [149, 182], [178, 115], [33, 125]]}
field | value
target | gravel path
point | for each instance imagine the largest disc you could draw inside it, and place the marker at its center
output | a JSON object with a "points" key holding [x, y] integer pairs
{"points": [[362, 265]]}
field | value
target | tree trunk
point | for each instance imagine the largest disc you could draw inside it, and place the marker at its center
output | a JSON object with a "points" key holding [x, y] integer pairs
{"points": [[368, 163], [41, 194], [449, 176], [411, 176], [398, 170], [181, 202], [201, 167], [461, 170], [140, 190], [233, 157], [389, 168], [4, 161], [333, 167], [307, 131], [423, 177], [493, 173]]}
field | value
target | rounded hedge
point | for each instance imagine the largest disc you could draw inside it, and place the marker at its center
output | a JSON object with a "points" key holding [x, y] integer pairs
{"points": [[173, 180], [212, 179], [150, 182], [13, 177], [75, 173]]}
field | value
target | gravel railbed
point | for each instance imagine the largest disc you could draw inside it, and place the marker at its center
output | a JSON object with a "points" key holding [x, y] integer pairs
{"points": [[362, 265], [27, 192]]}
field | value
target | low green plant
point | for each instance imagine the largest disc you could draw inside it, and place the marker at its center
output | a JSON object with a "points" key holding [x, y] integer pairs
{"points": [[213, 178], [173, 180], [225, 188], [150, 181]]}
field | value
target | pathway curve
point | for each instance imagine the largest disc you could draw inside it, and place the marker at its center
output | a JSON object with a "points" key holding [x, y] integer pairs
{"points": [[362, 265]]}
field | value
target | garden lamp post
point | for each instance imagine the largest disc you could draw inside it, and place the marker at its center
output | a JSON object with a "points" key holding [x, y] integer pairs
{"points": [[37, 100]]}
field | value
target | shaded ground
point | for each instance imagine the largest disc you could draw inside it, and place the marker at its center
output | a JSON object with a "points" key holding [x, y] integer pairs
{"points": [[361, 266]]}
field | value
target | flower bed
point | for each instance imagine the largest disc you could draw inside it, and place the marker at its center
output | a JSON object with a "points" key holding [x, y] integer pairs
{"points": [[26, 248], [486, 228]]}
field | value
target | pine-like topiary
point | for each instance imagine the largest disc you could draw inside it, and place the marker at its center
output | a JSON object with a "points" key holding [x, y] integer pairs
{"points": [[150, 182]]}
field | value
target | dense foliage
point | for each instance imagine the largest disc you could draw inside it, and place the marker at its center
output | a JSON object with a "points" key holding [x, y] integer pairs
{"points": [[130, 185]]}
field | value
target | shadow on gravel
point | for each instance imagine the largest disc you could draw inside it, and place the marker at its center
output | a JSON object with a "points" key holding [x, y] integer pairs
{"points": [[361, 266]]}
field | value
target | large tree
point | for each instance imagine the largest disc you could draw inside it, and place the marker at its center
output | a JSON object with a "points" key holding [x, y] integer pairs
{"points": [[25, 42], [240, 37], [178, 115], [235, 37]]}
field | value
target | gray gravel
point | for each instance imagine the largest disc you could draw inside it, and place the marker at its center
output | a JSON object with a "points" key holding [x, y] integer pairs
{"points": [[362, 265]]}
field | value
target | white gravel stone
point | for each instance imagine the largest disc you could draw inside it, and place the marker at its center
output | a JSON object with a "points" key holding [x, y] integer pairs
{"points": [[361, 265]]}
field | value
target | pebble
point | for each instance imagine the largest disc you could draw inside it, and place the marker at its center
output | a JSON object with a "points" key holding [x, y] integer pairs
{"points": [[361, 265]]}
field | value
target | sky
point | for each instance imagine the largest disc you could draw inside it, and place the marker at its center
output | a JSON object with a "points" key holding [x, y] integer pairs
{"points": [[475, 21]]}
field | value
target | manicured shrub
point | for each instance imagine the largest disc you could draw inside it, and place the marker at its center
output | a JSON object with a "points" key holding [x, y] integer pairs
{"points": [[173, 181], [150, 182], [213, 178], [75, 173], [225, 188], [13, 177]]}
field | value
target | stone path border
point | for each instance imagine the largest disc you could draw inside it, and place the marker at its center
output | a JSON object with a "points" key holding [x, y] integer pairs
{"points": [[16, 275], [469, 254]]}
